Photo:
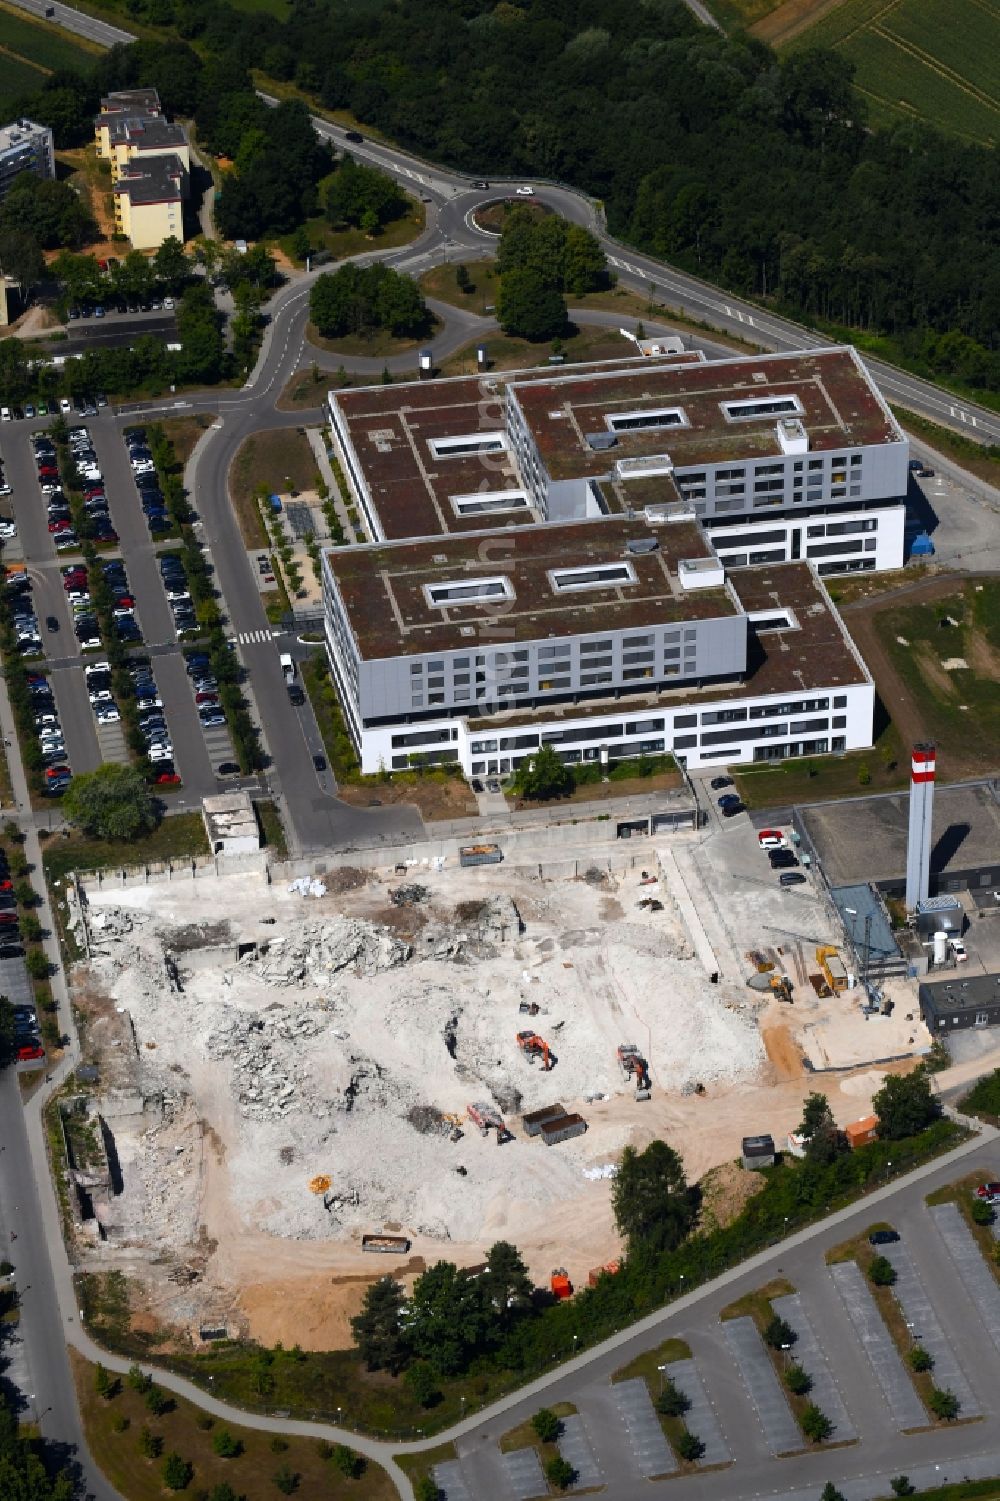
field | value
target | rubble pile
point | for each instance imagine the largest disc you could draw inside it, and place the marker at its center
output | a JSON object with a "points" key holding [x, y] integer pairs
{"points": [[319, 949], [267, 1079]]}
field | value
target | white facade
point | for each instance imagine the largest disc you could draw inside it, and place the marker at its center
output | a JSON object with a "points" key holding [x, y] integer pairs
{"points": [[848, 541]]}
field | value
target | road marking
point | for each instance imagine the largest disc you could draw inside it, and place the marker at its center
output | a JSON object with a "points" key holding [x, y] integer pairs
{"points": [[253, 638]]}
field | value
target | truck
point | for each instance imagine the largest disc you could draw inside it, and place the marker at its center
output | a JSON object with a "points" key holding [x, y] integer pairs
{"points": [[387, 1245], [287, 667]]}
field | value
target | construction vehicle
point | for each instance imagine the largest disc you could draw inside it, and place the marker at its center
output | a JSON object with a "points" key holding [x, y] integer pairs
{"points": [[560, 1284], [634, 1066], [834, 970], [488, 1119], [781, 988], [533, 1046]]}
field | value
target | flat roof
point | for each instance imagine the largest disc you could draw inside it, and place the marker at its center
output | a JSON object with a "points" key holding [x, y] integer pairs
{"points": [[817, 654], [383, 584], [864, 838], [230, 815], [146, 101], [21, 133], [831, 393], [390, 428], [960, 992], [156, 180], [146, 133]]}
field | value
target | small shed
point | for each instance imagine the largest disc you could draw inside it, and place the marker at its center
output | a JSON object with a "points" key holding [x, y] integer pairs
{"points": [[758, 1151], [954, 1005], [231, 823], [859, 1133], [939, 914]]}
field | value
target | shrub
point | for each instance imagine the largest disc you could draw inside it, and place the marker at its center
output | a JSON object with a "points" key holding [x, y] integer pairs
{"points": [[690, 1446], [278, 1444], [943, 1405], [982, 1212], [426, 1489], [672, 1402], [882, 1272], [920, 1359], [798, 1380], [286, 1480], [350, 1464], [902, 1485], [157, 1400], [150, 1444], [546, 1425], [137, 1380], [560, 1473], [225, 1445], [815, 1424], [778, 1332], [121, 1423], [204, 1422], [177, 1472]]}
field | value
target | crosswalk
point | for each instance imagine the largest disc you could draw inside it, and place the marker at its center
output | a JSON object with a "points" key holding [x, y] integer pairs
{"points": [[253, 638]]}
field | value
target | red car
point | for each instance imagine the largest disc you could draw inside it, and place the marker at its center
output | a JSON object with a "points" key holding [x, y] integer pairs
{"points": [[8, 918], [57, 771], [6, 884], [206, 698], [60, 526], [167, 779], [29, 1052], [988, 1191]]}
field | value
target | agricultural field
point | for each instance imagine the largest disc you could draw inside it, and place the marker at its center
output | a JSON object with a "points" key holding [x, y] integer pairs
{"points": [[934, 60], [30, 51]]}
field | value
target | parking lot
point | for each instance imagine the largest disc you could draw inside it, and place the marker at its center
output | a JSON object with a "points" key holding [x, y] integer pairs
{"points": [[188, 732], [951, 1299]]}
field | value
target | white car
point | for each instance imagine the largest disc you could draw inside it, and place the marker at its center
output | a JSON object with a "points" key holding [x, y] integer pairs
{"points": [[41, 720], [97, 667], [101, 696], [8, 529], [65, 405], [92, 643], [177, 596], [5, 414], [162, 752], [107, 714], [959, 952], [525, 192]]}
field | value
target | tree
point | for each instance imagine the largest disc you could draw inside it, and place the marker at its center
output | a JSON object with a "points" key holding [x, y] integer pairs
{"points": [[529, 309], [15, 372], [426, 1489], [671, 1401], [286, 1480], [21, 257], [543, 775], [102, 1380], [112, 803], [905, 1105], [902, 1485], [651, 1199], [137, 1379], [463, 280], [378, 1329], [819, 1129], [547, 1426], [505, 1282], [982, 1211], [357, 192], [447, 1318], [778, 1333], [150, 1444], [690, 1447], [177, 1472], [920, 1359], [944, 1405], [363, 299], [347, 1462], [830, 1493], [225, 1445], [223, 1491], [815, 1424], [882, 1272], [157, 1400], [422, 1383], [559, 1472], [798, 1380]]}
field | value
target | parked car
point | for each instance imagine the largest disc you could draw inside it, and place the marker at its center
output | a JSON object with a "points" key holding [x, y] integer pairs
{"points": [[791, 878], [883, 1237], [719, 782], [731, 810]]}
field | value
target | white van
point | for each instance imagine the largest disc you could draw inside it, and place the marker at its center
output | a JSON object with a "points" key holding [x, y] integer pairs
{"points": [[287, 667]]}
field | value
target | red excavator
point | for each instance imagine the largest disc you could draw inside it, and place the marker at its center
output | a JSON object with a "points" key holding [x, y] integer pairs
{"points": [[533, 1046], [634, 1066]]}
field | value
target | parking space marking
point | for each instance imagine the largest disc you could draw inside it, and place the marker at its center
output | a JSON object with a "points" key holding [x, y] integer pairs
{"points": [[450, 1481], [809, 1353], [781, 1431], [701, 1416], [574, 1446], [973, 1273], [523, 1471], [652, 1452], [905, 1407], [919, 1313]]}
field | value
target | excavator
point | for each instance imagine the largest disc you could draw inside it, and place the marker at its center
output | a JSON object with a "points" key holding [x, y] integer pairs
{"points": [[634, 1066], [533, 1046], [487, 1119]]}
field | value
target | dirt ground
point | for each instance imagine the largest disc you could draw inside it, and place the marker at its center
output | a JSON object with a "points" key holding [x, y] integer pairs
{"points": [[292, 1035], [791, 18], [436, 797]]}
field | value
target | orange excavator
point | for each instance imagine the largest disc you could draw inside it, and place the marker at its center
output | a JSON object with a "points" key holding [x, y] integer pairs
{"points": [[634, 1066], [533, 1046]]}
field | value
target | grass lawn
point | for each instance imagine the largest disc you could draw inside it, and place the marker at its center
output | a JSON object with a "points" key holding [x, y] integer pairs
{"points": [[848, 589], [279, 458], [188, 1431], [441, 282], [437, 793], [507, 353], [591, 792], [342, 243], [979, 459], [272, 828], [757, 1305], [648, 1363], [814, 779], [492, 215], [17, 77], [740, 15], [174, 838], [419, 1465], [379, 346], [184, 432], [983, 1099], [525, 1437]]}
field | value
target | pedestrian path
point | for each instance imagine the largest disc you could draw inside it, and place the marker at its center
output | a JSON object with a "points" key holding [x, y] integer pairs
{"points": [[905, 1407], [700, 1418], [926, 1330], [809, 1354], [781, 1431]]}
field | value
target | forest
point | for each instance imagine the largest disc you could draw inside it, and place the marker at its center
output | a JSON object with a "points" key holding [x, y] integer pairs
{"points": [[761, 174]]}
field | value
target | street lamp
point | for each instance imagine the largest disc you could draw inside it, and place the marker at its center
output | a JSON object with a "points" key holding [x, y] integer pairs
{"points": [[661, 1369]]}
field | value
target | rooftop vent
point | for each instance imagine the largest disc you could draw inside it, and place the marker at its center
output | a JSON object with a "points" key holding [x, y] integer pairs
{"points": [[642, 545], [601, 441]]}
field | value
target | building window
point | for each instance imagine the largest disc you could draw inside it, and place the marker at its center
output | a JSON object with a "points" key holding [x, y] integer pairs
{"points": [[451, 448], [624, 422], [761, 406], [601, 576], [489, 503], [466, 591]]}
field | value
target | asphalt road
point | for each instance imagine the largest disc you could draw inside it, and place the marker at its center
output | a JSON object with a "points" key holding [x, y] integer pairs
{"points": [[77, 21]]}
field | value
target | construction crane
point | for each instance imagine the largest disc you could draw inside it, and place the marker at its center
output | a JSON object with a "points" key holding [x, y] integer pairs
{"points": [[533, 1046], [634, 1066], [488, 1119]]}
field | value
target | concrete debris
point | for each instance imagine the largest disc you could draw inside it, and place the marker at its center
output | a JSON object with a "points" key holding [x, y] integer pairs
{"points": [[605, 1170], [409, 896], [316, 949], [304, 886]]}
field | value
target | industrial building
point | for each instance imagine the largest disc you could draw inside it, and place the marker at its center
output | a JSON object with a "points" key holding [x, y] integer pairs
{"points": [[25, 147], [956, 1004], [552, 562]]}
